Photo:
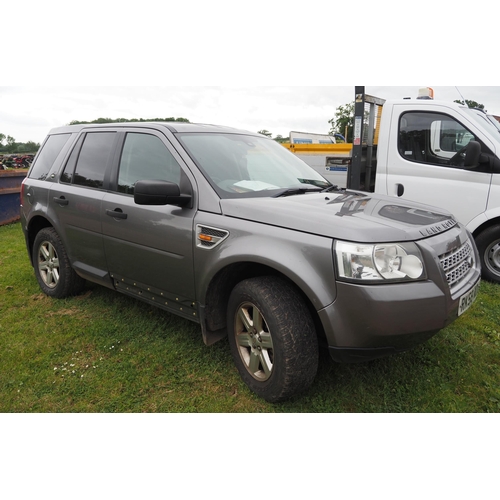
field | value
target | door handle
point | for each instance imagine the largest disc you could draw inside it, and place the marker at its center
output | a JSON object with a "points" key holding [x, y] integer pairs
{"points": [[400, 190], [117, 213], [61, 201]]}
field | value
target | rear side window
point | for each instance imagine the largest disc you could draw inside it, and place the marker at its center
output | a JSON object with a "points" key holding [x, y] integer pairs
{"points": [[93, 159], [47, 156]]}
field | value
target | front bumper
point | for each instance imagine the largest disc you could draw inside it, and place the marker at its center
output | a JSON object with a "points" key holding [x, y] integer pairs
{"points": [[368, 322]]}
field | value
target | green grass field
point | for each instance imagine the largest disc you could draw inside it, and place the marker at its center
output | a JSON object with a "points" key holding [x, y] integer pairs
{"points": [[104, 352]]}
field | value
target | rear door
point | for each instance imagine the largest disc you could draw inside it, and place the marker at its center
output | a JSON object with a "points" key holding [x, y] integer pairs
{"points": [[419, 163], [75, 202], [149, 249]]}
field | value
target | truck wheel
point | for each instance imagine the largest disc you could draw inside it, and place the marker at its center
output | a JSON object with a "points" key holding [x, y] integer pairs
{"points": [[272, 337], [488, 244], [53, 271]]}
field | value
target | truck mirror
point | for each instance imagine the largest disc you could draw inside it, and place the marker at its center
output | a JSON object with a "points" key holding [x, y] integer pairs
{"points": [[467, 157], [472, 154]]}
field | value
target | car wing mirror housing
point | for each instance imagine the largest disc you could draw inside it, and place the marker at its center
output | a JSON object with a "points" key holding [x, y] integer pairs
{"points": [[156, 192]]}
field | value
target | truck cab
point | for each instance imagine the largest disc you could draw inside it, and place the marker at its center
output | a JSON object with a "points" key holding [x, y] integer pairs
{"points": [[445, 154]]}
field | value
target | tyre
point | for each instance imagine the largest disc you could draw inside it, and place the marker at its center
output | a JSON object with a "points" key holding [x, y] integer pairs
{"points": [[272, 338], [53, 271], [488, 245]]}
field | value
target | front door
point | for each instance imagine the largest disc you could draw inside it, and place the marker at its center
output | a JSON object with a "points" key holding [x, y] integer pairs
{"points": [[420, 167], [149, 249]]}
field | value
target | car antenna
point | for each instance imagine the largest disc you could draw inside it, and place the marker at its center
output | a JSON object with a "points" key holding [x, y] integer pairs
{"points": [[463, 100]]}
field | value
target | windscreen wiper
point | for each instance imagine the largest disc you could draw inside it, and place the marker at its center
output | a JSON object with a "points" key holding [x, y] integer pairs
{"points": [[328, 189], [295, 191]]}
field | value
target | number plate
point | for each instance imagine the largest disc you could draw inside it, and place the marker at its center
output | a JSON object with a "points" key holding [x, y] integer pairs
{"points": [[468, 299]]}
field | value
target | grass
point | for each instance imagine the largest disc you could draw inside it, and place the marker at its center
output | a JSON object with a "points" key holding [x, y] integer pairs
{"points": [[104, 352]]}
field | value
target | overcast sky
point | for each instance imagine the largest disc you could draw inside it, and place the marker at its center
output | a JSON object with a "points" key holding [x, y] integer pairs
{"points": [[28, 113], [269, 65]]}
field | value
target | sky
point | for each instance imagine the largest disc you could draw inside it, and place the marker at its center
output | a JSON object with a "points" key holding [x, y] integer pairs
{"points": [[27, 113], [266, 65]]}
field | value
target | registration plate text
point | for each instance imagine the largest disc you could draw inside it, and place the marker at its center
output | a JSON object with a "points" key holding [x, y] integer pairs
{"points": [[468, 299]]}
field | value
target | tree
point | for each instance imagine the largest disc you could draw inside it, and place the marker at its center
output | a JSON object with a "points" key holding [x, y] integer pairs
{"points": [[281, 139], [343, 121], [127, 120], [27, 147], [471, 104], [13, 147], [265, 132], [11, 144]]}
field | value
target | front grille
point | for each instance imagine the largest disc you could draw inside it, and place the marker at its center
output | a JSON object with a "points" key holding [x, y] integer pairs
{"points": [[458, 263]]}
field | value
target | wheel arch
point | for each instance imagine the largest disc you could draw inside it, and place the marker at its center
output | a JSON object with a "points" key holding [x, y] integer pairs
{"points": [[220, 287], [35, 225], [485, 225], [487, 238]]}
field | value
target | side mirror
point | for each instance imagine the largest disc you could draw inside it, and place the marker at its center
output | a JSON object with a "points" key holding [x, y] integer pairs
{"points": [[159, 193], [472, 154], [468, 157]]}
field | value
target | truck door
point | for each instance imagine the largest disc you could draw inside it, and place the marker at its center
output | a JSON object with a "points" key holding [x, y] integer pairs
{"points": [[148, 248], [423, 162]]}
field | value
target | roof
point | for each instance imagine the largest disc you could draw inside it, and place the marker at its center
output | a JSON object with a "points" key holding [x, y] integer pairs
{"points": [[174, 127]]}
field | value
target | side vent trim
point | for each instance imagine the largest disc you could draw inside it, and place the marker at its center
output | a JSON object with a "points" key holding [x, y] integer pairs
{"points": [[209, 237]]}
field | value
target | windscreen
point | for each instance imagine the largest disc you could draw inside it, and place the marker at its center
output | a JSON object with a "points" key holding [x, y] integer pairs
{"points": [[486, 121], [248, 166]]}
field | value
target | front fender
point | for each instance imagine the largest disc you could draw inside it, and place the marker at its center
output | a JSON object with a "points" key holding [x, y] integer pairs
{"points": [[305, 259], [488, 218]]}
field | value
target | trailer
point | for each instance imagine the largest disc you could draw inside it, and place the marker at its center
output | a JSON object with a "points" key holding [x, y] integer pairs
{"points": [[10, 188]]}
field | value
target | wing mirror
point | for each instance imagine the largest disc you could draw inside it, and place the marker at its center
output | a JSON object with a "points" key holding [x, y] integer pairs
{"points": [[157, 192], [472, 154]]}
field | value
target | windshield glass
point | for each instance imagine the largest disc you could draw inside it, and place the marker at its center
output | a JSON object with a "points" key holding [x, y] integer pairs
{"points": [[248, 166], [495, 122], [485, 121]]}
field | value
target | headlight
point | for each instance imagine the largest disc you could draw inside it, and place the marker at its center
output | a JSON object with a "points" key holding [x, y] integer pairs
{"points": [[386, 261]]}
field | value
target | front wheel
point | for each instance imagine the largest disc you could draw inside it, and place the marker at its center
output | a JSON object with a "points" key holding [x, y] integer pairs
{"points": [[488, 245], [272, 337], [53, 271]]}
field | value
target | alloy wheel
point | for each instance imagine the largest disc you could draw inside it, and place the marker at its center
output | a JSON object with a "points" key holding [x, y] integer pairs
{"points": [[48, 264], [254, 341]]}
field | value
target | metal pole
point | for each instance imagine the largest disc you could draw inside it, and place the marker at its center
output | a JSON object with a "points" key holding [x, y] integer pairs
{"points": [[354, 178]]}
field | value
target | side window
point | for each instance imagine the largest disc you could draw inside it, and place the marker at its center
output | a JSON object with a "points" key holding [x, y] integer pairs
{"points": [[145, 157], [432, 138], [93, 158], [448, 137], [47, 156], [67, 175]]}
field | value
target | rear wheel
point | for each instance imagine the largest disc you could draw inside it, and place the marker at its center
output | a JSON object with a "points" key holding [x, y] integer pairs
{"points": [[53, 271], [488, 245], [272, 337]]}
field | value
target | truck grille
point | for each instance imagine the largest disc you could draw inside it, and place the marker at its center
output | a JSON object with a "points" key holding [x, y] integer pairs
{"points": [[457, 264]]}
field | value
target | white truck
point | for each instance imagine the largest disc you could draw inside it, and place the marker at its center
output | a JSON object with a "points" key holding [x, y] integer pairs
{"points": [[438, 153]]}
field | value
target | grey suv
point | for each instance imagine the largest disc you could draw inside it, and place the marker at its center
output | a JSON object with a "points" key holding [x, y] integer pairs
{"points": [[230, 230]]}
